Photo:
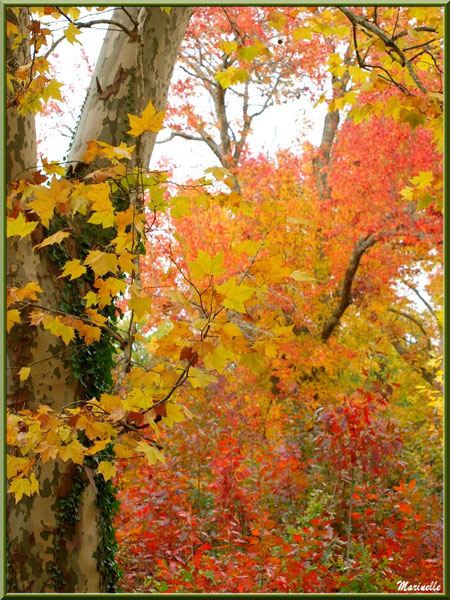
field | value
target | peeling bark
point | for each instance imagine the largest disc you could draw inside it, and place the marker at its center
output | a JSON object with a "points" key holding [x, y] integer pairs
{"points": [[31, 524], [104, 115]]}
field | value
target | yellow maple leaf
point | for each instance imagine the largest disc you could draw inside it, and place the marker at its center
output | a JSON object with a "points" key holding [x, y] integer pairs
{"points": [[119, 152], [301, 276], [16, 464], [19, 226], [149, 121], [234, 295], [71, 32], [21, 486], [206, 265], [12, 316], [88, 332], [140, 306], [73, 451], [56, 238], [101, 262], [53, 167], [107, 469], [46, 199], [151, 453], [174, 414], [56, 326], [73, 268], [104, 218]]}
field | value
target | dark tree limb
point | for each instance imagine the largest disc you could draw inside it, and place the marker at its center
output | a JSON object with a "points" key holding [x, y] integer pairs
{"points": [[426, 374], [346, 290], [389, 41]]}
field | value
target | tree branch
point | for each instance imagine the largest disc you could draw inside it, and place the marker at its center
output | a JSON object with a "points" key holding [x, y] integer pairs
{"points": [[346, 289], [388, 40]]}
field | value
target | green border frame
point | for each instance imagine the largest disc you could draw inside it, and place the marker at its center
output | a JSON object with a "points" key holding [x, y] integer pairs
{"points": [[3, 6]]}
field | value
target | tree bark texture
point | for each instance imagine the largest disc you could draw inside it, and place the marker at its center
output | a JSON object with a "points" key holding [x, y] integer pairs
{"points": [[37, 545], [112, 93]]}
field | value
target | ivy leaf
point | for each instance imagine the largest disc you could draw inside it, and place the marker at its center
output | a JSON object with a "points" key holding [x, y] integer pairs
{"points": [[149, 121], [19, 226]]}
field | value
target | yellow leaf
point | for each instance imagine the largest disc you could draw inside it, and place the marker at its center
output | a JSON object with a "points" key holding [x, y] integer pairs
{"points": [[12, 316], [149, 121], [198, 378], [30, 290], [91, 299], [101, 262], [57, 327], [24, 373], [234, 295], [301, 276], [140, 306], [15, 464], [73, 451], [174, 414], [151, 453], [74, 269], [205, 265], [119, 152], [248, 247], [228, 47], [46, 199], [104, 218], [302, 33], [19, 226], [107, 469], [21, 486], [11, 28], [71, 32], [56, 238], [53, 167], [423, 179]]}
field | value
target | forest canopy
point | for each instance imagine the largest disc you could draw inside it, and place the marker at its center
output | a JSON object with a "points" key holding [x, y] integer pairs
{"points": [[231, 381]]}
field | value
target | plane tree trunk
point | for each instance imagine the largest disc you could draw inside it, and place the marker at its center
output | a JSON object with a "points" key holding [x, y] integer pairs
{"points": [[55, 538]]}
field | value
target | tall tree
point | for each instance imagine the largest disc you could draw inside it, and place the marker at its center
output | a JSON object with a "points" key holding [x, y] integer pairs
{"points": [[55, 539]]}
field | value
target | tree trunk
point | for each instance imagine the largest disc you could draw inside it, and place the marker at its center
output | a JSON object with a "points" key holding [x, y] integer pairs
{"points": [[112, 93], [52, 537]]}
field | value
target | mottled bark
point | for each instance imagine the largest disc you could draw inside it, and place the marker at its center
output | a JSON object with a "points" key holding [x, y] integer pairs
{"points": [[32, 526], [112, 92], [31, 523]]}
